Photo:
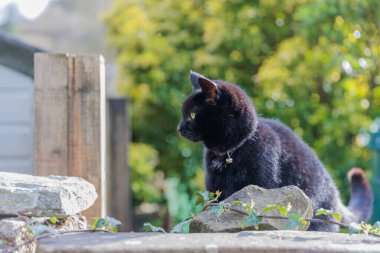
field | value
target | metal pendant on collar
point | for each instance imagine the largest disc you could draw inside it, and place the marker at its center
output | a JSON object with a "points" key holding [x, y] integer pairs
{"points": [[229, 159]]}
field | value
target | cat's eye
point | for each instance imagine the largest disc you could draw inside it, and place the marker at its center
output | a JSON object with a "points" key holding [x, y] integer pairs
{"points": [[192, 115]]}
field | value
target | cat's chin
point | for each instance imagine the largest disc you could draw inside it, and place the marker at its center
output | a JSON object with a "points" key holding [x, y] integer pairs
{"points": [[191, 137]]}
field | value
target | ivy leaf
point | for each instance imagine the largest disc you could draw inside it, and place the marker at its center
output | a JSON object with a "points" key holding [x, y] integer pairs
{"points": [[99, 223], [150, 228], [322, 211], [295, 221], [53, 220], [337, 216], [253, 220], [218, 209], [179, 228], [282, 209], [354, 228], [112, 222]]}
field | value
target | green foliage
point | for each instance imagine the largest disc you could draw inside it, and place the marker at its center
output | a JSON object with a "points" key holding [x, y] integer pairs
{"points": [[322, 211], [253, 220], [53, 220], [107, 223], [364, 228], [143, 160], [282, 209], [312, 64], [295, 221]]}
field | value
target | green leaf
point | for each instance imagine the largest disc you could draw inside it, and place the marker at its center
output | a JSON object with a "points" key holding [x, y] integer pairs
{"points": [[179, 228], [295, 221], [112, 222], [252, 220], [99, 223], [150, 228], [337, 216], [354, 228], [218, 209], [237, 203], [322, 211], [53, 220], [282, 209]]}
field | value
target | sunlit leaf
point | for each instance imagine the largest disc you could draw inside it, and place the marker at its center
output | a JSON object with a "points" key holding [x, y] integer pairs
{"points": [[337, 216], [53, 220], [322, 211], [282, 209]]}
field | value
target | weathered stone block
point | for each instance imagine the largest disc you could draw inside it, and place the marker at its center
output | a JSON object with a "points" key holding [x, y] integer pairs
{"points": [[230, 221], [243, 242], [44, 196]]}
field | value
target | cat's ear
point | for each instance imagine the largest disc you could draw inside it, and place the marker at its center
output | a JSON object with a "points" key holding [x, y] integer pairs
{"points": [[207, 86], [194, 77]]}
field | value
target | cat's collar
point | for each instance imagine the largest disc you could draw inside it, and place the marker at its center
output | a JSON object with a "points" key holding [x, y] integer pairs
{"points": [[229, 159]]}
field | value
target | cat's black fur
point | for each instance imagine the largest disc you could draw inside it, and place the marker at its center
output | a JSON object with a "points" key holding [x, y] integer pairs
{"points": [[264, 152]]}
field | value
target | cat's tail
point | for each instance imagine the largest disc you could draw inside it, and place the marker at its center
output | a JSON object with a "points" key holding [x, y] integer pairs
{"points": [[361, 200]]}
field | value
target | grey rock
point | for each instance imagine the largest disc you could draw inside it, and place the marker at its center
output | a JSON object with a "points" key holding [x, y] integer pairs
{"points": [[229, 221], [44, 196], [13, 232], [11, 228], [74, 222]]}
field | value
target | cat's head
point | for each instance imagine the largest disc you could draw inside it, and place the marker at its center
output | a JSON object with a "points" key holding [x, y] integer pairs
{"points": [[217, 113]]}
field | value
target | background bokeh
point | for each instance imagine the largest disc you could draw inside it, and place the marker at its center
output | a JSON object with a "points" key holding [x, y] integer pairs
{"points": [[312, 64]]}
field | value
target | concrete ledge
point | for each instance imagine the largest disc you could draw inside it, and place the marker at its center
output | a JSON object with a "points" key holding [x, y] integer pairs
{"points": [[257, 241]]}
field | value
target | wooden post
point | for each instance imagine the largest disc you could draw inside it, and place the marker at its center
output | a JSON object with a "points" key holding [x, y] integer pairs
{"points": [[70, 120], [119, 176]]}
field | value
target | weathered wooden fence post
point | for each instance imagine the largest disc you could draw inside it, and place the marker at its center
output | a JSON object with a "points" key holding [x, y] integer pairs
{"points": [[119, 175], [70, 120]]}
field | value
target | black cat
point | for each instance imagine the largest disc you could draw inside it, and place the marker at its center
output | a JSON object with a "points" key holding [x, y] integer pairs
{"points": [[242, 148]]}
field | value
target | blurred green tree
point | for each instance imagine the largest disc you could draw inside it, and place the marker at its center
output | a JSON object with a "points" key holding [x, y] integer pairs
{"points": [[312, 64]]}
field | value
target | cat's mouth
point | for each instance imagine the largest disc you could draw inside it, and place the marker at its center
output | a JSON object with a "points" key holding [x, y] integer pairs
{"points": [[190, 136]]}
